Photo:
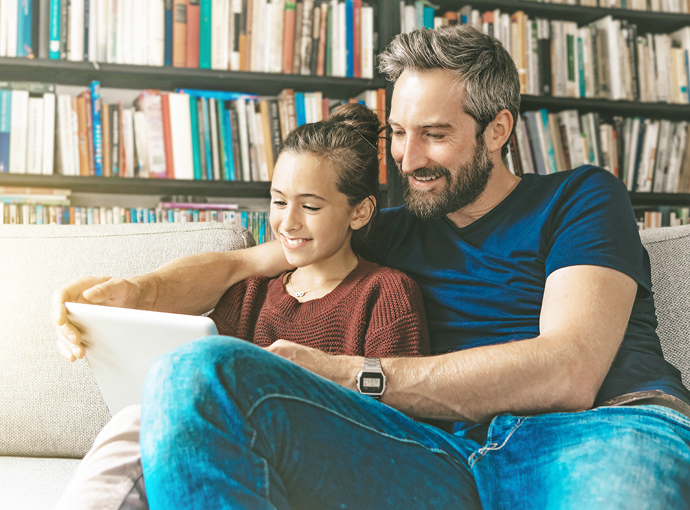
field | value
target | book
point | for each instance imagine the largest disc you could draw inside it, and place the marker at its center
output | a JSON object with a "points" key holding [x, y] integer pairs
{"points": [[167, 136], [168, 32], [127, 143], [198, 205], [54, 27], [34, 146], [288, 37], [5, 124], [18, 131], [89, 131], [193, 33], [196, 135], [205, 12], [105, 116], [179, 34], [151, 104], [306, 37], [215, 148], [141, 157], [97, 128], [229, 148]]}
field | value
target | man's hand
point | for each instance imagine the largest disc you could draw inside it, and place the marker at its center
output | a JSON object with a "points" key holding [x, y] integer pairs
{"points": [[97, 290], [340, 369]]}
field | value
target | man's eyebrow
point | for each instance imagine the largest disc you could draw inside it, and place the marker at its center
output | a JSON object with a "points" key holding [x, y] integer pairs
{"points": [[301, 195], [432, 125]]}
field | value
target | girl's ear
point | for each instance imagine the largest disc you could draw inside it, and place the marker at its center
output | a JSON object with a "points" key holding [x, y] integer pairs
{"points": [[362, 213]]}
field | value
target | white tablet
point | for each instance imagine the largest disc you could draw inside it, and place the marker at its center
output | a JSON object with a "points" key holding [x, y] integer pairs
{"points": [[121, 344]]}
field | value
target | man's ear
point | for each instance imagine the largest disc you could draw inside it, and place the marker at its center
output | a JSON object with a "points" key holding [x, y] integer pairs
{"points": [[498, 131], [362, 213]]}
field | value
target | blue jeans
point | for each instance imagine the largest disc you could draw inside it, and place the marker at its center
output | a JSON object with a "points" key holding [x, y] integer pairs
{"points": [[226, 424]]}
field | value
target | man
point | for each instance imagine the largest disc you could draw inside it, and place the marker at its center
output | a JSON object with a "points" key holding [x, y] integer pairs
{"points": [[539, 305]]}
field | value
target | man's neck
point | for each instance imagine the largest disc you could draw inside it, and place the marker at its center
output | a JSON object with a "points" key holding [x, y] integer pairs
{"points": [[501, 183]]}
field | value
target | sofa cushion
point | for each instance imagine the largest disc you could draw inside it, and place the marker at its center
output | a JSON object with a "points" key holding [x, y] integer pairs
{"points": [[33, 484], [668, 252], [48, 406]]}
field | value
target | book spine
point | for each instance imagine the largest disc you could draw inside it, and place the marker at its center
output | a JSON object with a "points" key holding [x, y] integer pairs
{"points": [[235, 127], [196, 152], [222, 142], [5, 122], [167, 136], [18, 130], [193, 33], [169, 8], [245, 20], [76, 31], [357, 38], [54, 42], [24, 42], [34, 136], [205, 34], [349, 39], [105, 117], [236, 22], [241, 110], [229, 149], [316, 31], [207, 140], [179, 57], [288, 37], [213, 126], [300, 109], [97, 128], [306, 37]]}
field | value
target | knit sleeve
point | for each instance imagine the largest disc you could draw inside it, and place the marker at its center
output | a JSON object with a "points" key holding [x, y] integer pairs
{"points": [[398, 323], [236, 312]]}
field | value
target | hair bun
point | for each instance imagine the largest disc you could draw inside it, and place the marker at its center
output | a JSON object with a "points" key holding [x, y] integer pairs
{"points": [[359, 117]]}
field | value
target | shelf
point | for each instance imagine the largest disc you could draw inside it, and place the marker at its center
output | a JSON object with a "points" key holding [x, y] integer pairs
{"points": [[140, 186], [675, 112], [169, 78], [646, 21], [657, 199]]}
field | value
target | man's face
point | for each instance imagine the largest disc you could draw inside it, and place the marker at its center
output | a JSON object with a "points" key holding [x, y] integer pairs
{"points": [[444, 166]]}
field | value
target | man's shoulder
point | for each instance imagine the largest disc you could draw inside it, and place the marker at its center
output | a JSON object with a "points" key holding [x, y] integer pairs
{"points": [[386, 278]]}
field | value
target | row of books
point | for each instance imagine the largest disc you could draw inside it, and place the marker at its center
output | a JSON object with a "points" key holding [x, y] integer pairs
{"points": [[331, 38], [663, 216], [257, 222], [649, 155], [606, 59], [677, 6], [189, 134]]}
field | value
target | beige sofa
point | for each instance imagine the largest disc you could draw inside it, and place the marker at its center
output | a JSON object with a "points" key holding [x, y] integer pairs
{"points": [[51, 410]]}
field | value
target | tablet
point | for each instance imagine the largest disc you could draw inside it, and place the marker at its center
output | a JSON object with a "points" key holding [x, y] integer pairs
{"points": [[121, 344]]}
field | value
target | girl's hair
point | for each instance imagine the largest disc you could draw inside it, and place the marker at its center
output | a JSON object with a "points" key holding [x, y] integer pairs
{"points": [[349, 139]]}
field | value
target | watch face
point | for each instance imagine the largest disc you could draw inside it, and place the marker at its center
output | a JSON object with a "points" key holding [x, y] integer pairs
{"points": [[371, 382]]}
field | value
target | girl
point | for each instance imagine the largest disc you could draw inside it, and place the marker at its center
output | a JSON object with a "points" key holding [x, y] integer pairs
{"points": [[323, 199]]}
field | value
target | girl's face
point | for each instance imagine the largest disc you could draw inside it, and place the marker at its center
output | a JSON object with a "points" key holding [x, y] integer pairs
{"points": [[309, 216]]}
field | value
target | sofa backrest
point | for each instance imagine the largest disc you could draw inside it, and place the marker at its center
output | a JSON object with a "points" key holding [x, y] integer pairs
{"points": [[669, 253], [48, 406]]}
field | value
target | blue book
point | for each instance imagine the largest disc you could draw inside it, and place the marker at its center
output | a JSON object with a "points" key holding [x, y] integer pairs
{"points": [[581, 67], [87, 6], [54, 42], [300, 109], [244, 219], [228, 145], [97, 126], [196, 154], [205, 34], [195, 215], [547, 138], [220, 95], [349, 38], [428, 17], [207, 140], [168, 24], [24, 48], [5, 118], [419, 13]]}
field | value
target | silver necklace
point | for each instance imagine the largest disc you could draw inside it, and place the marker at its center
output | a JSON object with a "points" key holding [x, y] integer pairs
{"points": [[302, 293]]}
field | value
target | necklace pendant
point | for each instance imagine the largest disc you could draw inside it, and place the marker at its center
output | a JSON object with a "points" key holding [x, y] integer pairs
{"points": [[299, 294]]}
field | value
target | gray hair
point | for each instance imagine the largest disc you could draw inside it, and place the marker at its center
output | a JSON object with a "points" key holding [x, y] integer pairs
{"points": [[482, 66]]}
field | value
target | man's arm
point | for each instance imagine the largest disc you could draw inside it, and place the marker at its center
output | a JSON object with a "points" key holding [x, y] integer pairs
{"points": [[585, 312], [191, 285]]}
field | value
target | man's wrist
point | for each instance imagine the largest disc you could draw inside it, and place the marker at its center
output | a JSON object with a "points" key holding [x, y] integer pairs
{"points": [[148, 291]]}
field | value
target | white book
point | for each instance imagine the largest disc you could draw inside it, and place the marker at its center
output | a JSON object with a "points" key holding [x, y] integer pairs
{"points": [[128, 138], [335, 37], [141, 144], [256, 30], [129, 46], [219, 35], [585, 36], [186, 125], [18, 131], [401, 6], [318, 101], [241, 109], [267, 10], [642, 72], [140, 37], [4, 27], [64, 120], [663, 153], [156, 30], [342, 38], [275, 54], [646, 166], [559, 60], [94, 8], [504, 29], [102, 30], [679, 81], [306, 40], [367, 46], [34, 139], [572, 72], [235, 55], [612, 29], [230, 29], [48, 134], [2, 213], [662, 46], [111, 38], [12, 20], [260, 144], [254, 162], [76, 31], [181, 136], [410, 18], [676, 157], [74, 124]]}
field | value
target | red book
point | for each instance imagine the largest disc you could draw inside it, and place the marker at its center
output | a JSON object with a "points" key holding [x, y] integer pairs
{"points": [[381, 110], [321, 62], [193, 34], [288, 37], [325, 103], [89, 132], [167, 136], [179, 33], [357, 36]]}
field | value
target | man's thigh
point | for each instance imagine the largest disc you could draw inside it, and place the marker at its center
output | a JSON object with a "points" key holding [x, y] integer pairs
{"points": [[609, 457], [257, 429]]}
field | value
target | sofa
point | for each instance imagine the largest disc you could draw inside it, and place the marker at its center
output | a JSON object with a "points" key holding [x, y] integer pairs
{"points": [[51, 410]]}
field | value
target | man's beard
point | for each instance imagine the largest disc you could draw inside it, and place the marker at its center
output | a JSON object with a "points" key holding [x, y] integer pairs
{"points": [[463, 186]]}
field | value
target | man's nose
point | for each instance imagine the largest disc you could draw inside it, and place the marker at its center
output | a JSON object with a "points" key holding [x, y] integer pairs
{"points": [[414, 156]]}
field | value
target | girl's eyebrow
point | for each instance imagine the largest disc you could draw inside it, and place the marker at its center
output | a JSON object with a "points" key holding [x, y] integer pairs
{"points": [[301, 195]]}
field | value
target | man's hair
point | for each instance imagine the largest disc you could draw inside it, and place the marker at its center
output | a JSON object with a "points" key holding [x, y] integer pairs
{"points": [[482, 66]]}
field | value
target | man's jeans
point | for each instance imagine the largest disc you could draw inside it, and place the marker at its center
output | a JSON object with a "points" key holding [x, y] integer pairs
{"points": [[226, 424]]}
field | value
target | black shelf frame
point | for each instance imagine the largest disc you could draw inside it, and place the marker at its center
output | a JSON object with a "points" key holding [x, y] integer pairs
{"points": [[657, 199], [64, 72]]}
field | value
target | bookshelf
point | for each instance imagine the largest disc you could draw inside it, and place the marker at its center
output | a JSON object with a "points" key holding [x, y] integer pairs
{"points": [[646, 21], [140, 77]]}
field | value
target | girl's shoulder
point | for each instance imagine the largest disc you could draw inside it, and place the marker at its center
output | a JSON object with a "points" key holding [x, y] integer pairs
{"points": [[386, 277]]}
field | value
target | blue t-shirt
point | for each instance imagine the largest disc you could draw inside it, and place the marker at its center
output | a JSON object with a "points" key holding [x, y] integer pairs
{"points": [[484, 283]]}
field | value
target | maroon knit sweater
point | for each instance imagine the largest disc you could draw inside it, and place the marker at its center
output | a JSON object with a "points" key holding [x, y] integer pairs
{"points": [[375, 311]]}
